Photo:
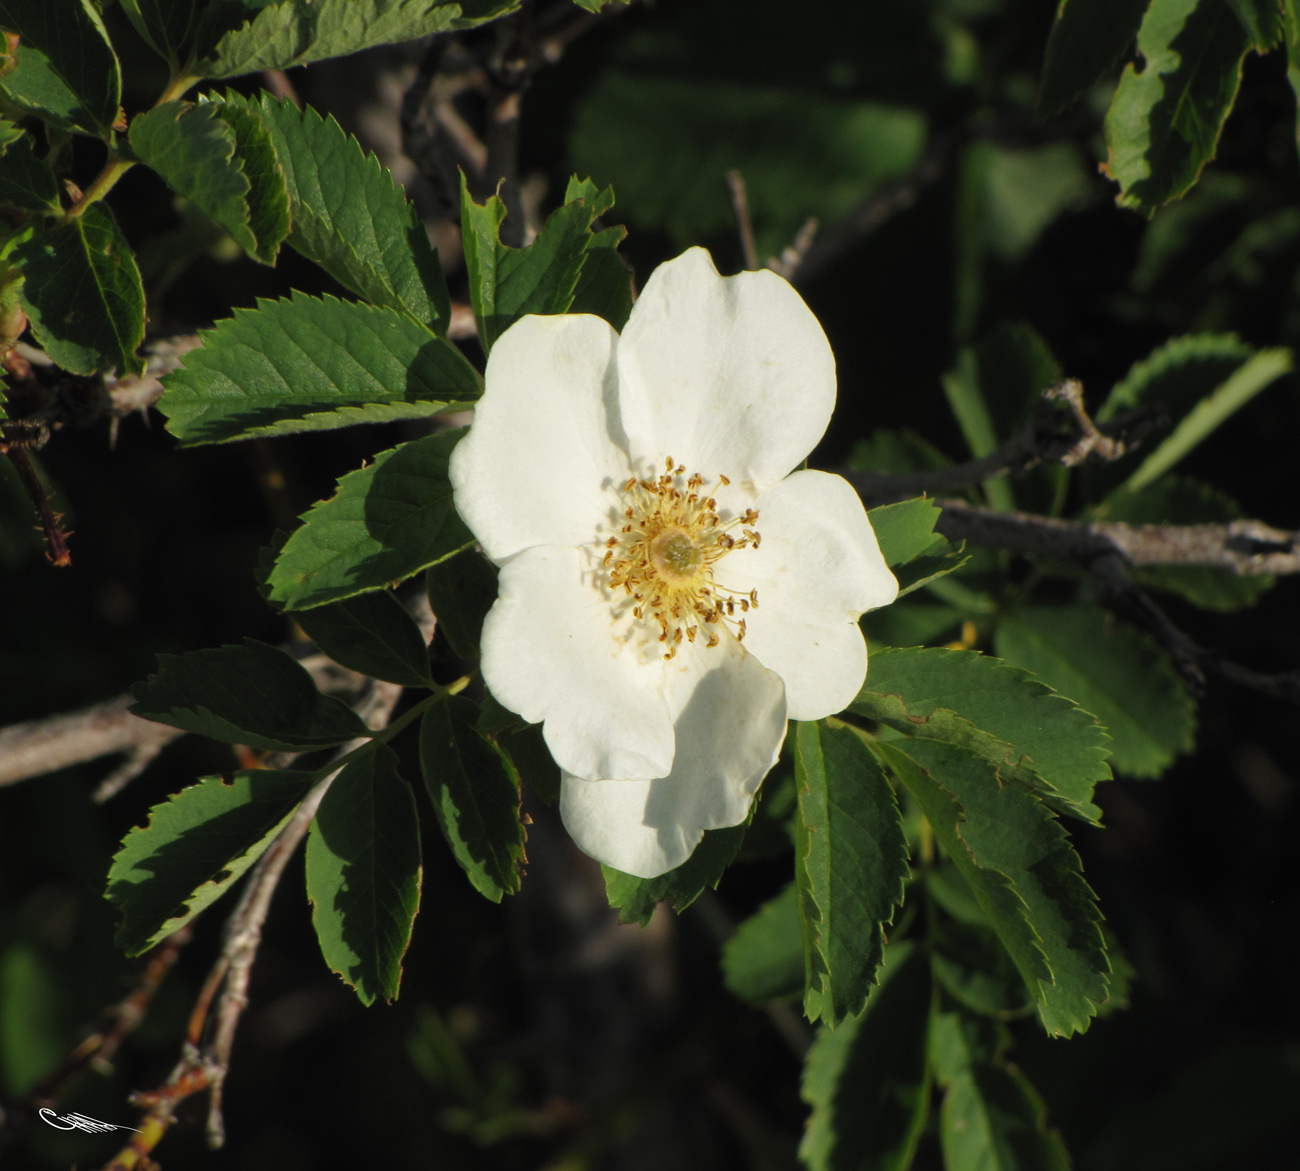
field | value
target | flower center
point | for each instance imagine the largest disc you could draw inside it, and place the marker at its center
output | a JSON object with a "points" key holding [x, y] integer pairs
{"points": [[664, 555]]}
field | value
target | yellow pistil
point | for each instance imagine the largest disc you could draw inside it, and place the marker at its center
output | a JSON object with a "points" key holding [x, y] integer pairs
{"points": [[663, 557]]}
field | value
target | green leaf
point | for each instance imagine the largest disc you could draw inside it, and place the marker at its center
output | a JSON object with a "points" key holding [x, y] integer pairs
{"points": [[250, 35], [1058, 740], [474, 789], [1164, 122], [1182, 500], [82, 294], [604, 286], [77, 61], [506, 283], [385, 523], [1262, 20], [461, 592], [26, 181], [886, 450], [904, 530], [197, 151], [666, 143], [525, 747], [636, 898], [363, 874], [1003, 832], [169, 26], [348, 216], [371, 633], [1179, 373], [763, 961], [304, 364], [975, 970], [961, 387], [850, 867], [1291, 37], [992, 1118], [252, 694], [1110, 669], [196, 846], [9, 134], [1088, 40], [868, 1081], [1265, 368]]}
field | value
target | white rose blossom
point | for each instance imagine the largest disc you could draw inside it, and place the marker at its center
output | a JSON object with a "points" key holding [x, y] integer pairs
{"points": [[671, 589]]}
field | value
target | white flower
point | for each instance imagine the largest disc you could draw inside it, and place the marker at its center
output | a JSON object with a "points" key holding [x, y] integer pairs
{"points": [[671, 590]]}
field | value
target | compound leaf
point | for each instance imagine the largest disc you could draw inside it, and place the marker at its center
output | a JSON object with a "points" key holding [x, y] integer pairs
{"points": [[371, 633]]}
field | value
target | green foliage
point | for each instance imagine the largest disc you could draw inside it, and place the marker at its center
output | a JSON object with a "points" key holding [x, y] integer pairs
{"points": [[309, 365], [31, 1041], [199, 152], [168, 26], [386, 522], [1089, 38], [251, 694], [1022, 871], [1111, 670], [474, 788], [196, 846], [1004, 709], [27, 182], [667, 143], [363, 874], [547, 276], [636, 898], [991, 1117], [850, 867], [347, 215], [1164, 122], [66, 61], [763, 961], [82, 294], [461, 591], [911, 548], [373, 634], [244, 36], [868, 1081]]}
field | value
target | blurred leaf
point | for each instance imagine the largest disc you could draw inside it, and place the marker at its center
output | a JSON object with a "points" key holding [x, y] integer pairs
{"points": [[1108, 668], [348, 216], [26, 181], [1291, 38], [82, 294], [1088, 40], [992, 1118], [909, 623], [194, 148], [526, 749], [975, 970], [636, 898], [764, 960], [1021, 869], [1178, 373], [850, 867], [1265, 368], [1262, 20], [1181, 236], [168, 26], [9, 134], [304, 364], [70, 38], [31, 1035], [244, 36], [474, 789], [506, 283], [371, 633], [868, 1081], [363, 874], [1061, 742], [886, 450], [252, 694], [1006, 199], [197, 844], [461, 592], [961, 387], [385, 523], [667, 143], [1164, 122], [1181, 500]]}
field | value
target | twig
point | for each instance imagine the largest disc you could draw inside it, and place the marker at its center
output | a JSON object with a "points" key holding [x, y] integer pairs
{"points": [[792, 255], [740, 204], [206, 1069], [1059, 430]]}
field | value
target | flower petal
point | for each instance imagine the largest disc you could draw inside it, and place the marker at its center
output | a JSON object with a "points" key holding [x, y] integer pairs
{"points": [[546, 442], [730, 724], [729, 375], [550, 653], [817, 569]]}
